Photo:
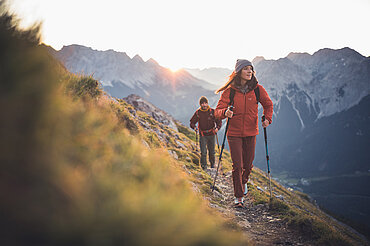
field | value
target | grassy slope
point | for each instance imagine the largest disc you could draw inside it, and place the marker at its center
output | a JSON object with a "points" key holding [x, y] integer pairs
{"points": [[293, 206], [75, 172]]}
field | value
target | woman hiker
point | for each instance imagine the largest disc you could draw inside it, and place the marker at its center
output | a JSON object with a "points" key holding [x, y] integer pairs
{"points": [[243, 92]]}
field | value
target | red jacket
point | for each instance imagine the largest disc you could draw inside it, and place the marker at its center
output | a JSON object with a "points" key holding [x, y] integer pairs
{"points": [[245, 118], [206, 121]]}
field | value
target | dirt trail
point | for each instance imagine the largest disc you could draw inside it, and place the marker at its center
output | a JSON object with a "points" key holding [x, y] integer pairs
{"points": [[257, 222]]}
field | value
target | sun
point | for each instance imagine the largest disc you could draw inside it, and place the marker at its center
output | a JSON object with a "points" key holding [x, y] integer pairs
{"points": [[174, 69]]}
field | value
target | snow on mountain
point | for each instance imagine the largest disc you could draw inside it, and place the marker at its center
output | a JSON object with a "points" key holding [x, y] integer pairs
{"points": [[340, 78], [325, 83], [320, 111], [284, 78]]}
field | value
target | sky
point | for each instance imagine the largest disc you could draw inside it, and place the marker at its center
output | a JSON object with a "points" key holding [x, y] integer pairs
{"points": [[201, 33]]}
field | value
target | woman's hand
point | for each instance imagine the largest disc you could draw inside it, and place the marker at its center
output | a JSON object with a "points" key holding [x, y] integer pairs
{"points": [[265, 123], [229, 113]]}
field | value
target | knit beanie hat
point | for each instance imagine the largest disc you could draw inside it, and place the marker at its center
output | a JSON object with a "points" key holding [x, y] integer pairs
{"points": [[203, 99], [240, 63]]}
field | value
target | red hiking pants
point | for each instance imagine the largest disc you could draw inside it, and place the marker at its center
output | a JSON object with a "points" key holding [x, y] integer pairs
{"points": [[242, 154]]}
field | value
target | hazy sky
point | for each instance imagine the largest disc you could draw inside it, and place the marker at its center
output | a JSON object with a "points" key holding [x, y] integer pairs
{"points": [[202, 33]]}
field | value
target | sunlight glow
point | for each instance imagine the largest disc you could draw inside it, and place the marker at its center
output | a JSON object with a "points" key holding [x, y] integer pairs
{"points": [[174, 69], [204, 33]]}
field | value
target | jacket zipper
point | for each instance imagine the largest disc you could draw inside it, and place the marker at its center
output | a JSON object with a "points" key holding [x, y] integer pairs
{"points": [[245, 105]]}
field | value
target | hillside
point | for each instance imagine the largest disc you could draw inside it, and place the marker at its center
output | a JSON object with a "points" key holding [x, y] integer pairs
{"points": [[80, 167], [291, 217], [71, 172]]}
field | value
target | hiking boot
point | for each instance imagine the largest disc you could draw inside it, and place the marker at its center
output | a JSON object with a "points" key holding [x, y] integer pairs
{"points": [[245, 189], [239, 202]]}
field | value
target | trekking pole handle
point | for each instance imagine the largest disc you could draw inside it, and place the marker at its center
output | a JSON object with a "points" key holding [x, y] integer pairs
{"points": [[264, 128], [229, 111]]}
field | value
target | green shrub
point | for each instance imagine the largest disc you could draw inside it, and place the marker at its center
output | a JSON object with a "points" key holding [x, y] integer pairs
{"points": [[81, 86]]}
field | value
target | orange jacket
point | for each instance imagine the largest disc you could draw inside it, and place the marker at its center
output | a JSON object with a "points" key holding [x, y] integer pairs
{"points": [[245, 118]]}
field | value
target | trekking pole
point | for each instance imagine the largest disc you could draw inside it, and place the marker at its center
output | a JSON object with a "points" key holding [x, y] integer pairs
{"points": [[218, 147], [222, 149], [267, 155], [196, 138]]}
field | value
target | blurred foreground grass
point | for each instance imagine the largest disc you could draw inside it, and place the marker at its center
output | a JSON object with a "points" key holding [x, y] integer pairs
{"points": [[72, 174]]}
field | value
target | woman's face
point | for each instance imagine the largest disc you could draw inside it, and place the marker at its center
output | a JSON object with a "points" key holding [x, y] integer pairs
{"points": [[246, 73]]}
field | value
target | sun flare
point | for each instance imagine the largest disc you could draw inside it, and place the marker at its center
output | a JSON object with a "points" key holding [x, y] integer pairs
{"points": [[174, 69]]}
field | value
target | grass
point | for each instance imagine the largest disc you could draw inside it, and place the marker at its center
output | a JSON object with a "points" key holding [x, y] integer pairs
{"points": [[74, 169], [125, 118], [296, 208], [186, 131], [301, 214]]}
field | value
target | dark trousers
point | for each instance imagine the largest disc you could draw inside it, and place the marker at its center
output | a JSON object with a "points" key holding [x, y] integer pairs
{"points": [[207, 142], [242, 154]]}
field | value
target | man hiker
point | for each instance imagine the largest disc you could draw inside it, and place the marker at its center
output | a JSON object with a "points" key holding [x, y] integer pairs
{"points": [[208, 127]]}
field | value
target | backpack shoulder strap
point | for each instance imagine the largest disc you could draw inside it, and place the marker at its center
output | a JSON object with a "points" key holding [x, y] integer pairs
{"points": [[257, 93], [231, 96]]}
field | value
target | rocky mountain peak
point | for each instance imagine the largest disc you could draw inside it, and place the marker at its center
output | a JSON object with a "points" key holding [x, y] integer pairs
{"points": [[329, 81], [152, 61], [138, 59], [346, 51], [75, 47], [299, 57], [257, 59], [145, 106]]}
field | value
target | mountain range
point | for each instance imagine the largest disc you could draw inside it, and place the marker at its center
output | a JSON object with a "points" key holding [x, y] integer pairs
{"points": [[313, 97], [175, 92], [321, 101]]}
